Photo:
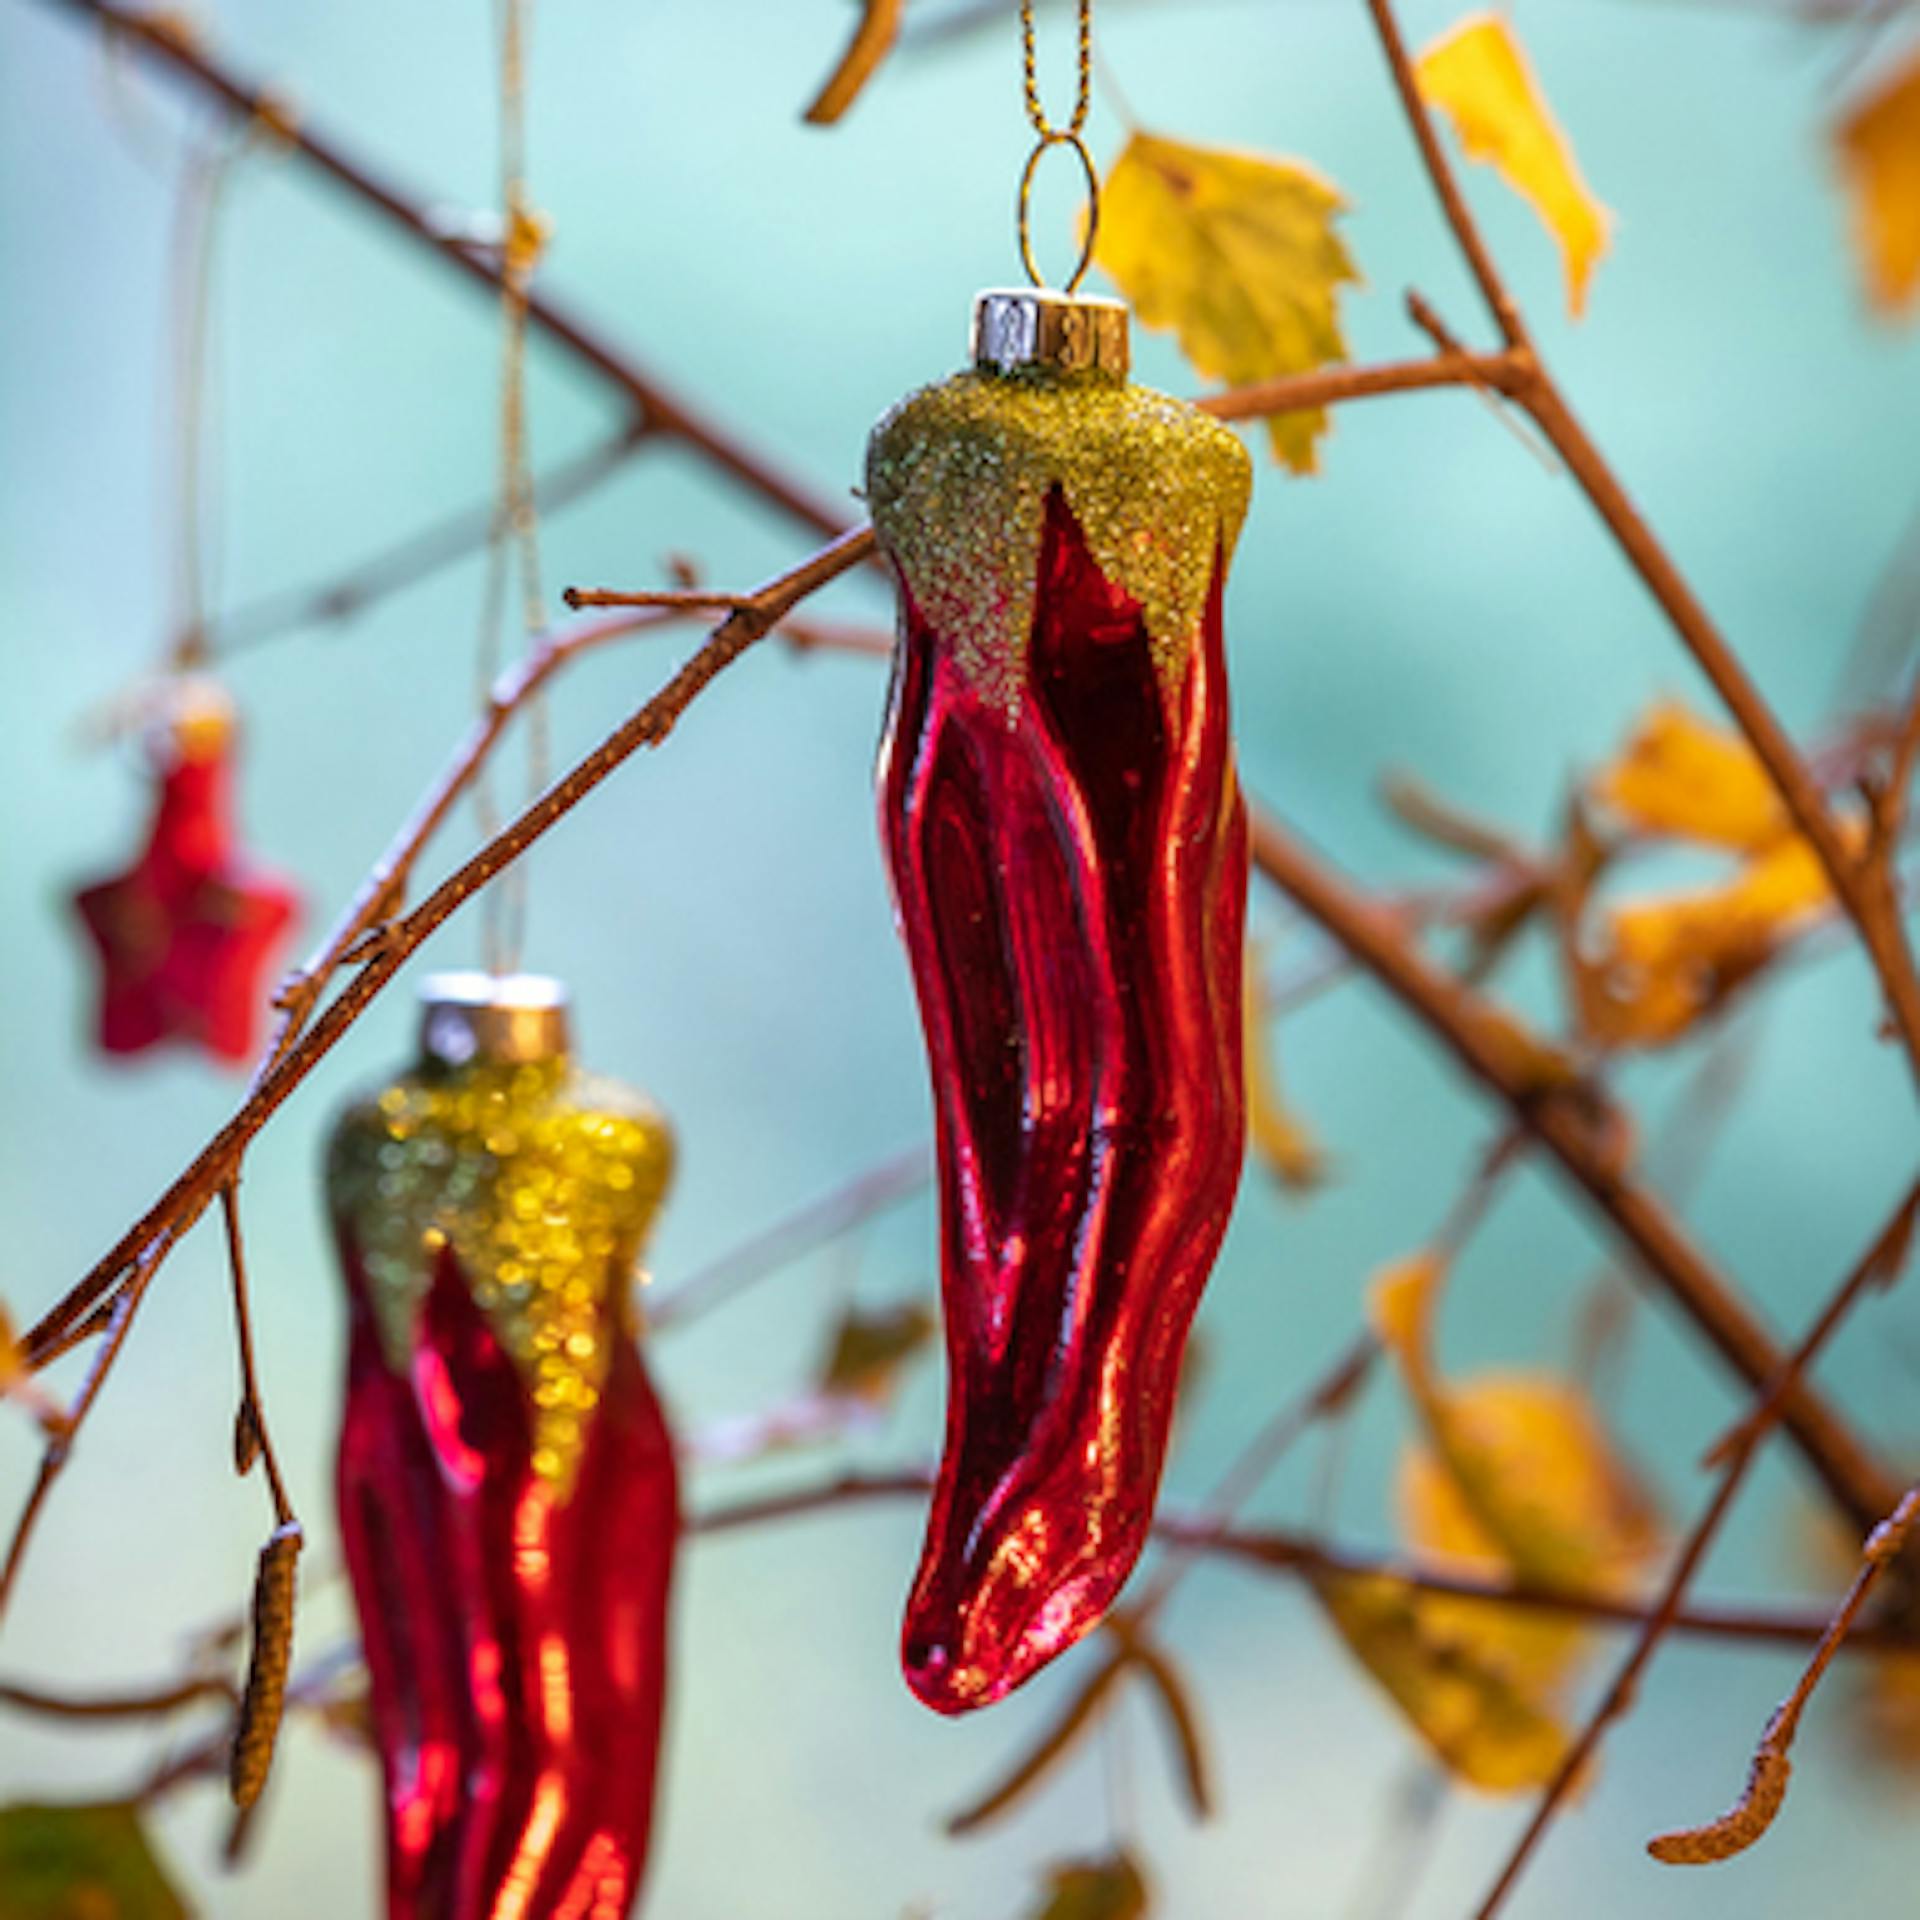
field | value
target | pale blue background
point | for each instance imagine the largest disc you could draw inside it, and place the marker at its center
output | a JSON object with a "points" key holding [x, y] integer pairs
{"points": [[1435, 601]]}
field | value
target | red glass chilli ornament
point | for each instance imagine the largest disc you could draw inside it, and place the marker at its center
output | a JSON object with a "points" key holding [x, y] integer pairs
{"points": [[508, 1497], [185, 937], [1068, 852]]}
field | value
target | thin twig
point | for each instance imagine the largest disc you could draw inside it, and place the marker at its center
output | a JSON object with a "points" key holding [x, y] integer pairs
{"points": [[1325, 1397], [1869, 903], [1277, 1550], [154, 1704], [1749, 1818], [1875, 1268], [192, 1191], [184, 53], [813, 1226], [416, 557], [59, 1447], [1581, 1133], [253, 1412], [1493, 289], [1301, 392]]}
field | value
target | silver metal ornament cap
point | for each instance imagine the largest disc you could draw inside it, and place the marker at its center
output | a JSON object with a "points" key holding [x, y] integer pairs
{"points": [[512, 1018], [1018, 327]]}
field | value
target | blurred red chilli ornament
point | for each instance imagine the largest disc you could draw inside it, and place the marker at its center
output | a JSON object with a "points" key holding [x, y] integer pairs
{"points": [[186, 937], [1068, 850], [508, 1498]]}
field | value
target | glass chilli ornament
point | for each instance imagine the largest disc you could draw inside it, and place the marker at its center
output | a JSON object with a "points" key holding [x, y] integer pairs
{"points": [[508, 1497], [1068, 853]]}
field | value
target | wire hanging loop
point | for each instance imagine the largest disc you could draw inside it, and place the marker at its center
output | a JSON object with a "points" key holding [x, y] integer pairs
{"points": [[1047, 136], [1048, 140]]}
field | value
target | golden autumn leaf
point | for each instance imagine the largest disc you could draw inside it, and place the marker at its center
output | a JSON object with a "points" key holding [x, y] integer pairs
{"points": [[1644, 972], [1278, 1135], [1878, 147], [82, 1863], [871, 1346], [1237, 253], [1536, 1650], [1479, 76], [1526, 1454], [1108, 1889], [1726, 926], [1678, 775], [12, 1368], [1660, 964], [1478, 1720]]}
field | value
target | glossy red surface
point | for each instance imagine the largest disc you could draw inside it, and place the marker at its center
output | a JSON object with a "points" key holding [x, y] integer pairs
{"points": [[516, 1641], [187, 934], [1071, 884]]}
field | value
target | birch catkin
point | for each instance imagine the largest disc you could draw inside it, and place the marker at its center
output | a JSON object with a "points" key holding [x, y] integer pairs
{"points": [[265, 1697]]}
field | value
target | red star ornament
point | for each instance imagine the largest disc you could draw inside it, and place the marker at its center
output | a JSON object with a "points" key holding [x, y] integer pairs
{"points": [[187, 933]]}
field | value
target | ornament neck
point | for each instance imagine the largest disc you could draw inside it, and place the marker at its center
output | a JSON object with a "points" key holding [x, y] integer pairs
{"points": [[1032, 329], [193, 825], [514, 1019]]}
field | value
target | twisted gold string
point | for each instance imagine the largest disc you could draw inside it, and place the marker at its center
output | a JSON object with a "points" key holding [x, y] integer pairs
{"points": [[515, 530], [1047, 136]]}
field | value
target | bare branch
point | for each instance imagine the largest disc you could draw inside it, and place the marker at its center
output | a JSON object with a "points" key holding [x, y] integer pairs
{"points": [[1874, 1269]]}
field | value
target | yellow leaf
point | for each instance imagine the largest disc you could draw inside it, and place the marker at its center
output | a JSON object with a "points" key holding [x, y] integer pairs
{"points": [[1677, 775], [1400, 1305], [1529, 1459], [1279, 1136], [873, 38], [1237, 252], [1109, 1889], [82, 1863], [1878, 144], [1478, 1721], [1535, 1468], [1661, 964], [871, 1346], [12, 1368], [1479, 76], [1726, 926], [1536, 1649]]}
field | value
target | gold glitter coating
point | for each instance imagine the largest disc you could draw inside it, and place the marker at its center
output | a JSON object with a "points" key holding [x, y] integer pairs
{"points": [[957, 481], [544, 1181]]}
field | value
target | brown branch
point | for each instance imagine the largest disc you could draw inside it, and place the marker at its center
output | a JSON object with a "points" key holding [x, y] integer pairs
{"points": [[1876, 1268], [160, 36], [145, 1244], [59, 1448], [150, 1705], [380, 893], [416, 557], [1301, 392], [1053, 1745], [1581, 1132], [253, 1436], [648, 727], [812, 1226], [1864, 892], [1131, 1628], [1275, 1550], [1500, 303], [1736, 1830]]}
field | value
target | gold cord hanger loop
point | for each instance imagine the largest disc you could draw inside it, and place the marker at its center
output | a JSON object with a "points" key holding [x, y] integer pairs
{"points": [[1042, 146], [1047, 135]]}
